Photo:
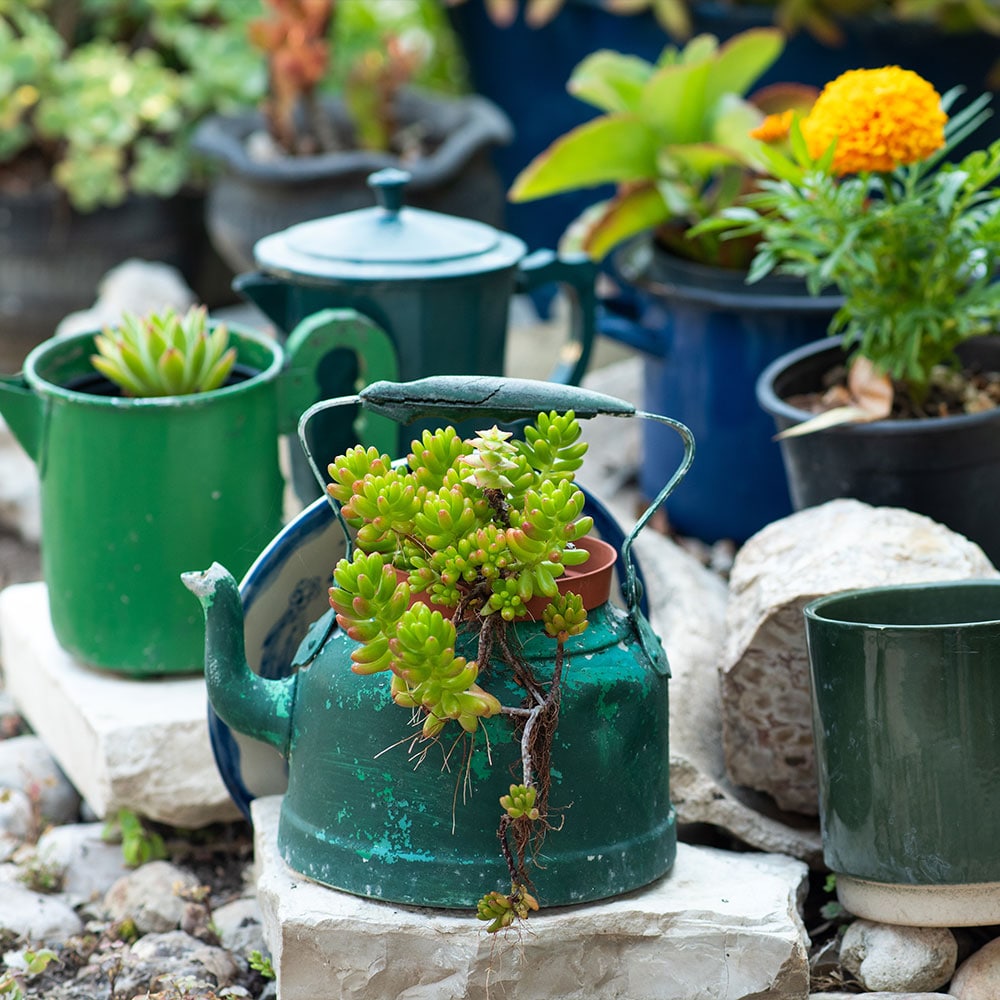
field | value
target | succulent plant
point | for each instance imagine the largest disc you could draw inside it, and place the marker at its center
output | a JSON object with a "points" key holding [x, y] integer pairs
{"points": [[163, 354], [476, 528]]}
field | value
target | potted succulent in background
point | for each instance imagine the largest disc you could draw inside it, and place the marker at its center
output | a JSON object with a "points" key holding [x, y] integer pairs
{"points": [[437, 608], [868, 206], [675, 138], [180, 463], [97, 107], [306, 153]]}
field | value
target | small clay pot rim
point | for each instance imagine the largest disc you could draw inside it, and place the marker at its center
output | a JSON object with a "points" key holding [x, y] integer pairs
{"points": [[591, 580]]}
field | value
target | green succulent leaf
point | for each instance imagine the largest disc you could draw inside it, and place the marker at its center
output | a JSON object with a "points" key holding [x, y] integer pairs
{"points": [[162, 354]]}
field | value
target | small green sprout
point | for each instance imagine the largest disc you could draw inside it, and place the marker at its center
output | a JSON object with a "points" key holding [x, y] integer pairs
{"points": [[163, 354], [520, 802], [139, 844], [261, 963], [503, 910]]}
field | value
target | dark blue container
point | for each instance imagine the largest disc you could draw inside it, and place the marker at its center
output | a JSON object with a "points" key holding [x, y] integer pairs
{"points": [[707, 336]]}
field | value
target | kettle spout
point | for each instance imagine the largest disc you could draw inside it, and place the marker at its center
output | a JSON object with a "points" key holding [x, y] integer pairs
{"points": [[22, 410], [259, 707]]}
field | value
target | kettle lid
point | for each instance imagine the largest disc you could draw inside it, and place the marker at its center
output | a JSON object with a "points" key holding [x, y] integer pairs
{"points": [[387, 240]]}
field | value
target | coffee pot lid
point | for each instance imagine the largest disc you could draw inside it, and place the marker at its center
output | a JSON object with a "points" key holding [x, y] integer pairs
{"points": [[387, 240]]}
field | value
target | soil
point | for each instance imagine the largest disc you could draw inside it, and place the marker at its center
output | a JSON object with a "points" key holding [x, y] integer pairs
{"points": [[952, 393]]}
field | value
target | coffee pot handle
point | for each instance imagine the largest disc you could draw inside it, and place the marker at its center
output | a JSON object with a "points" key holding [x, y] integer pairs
{"points": [[577, 275]]}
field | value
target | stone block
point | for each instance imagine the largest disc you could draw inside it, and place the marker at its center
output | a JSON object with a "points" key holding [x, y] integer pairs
{"points": [[124, 743], [840, 545], [720, 926]]}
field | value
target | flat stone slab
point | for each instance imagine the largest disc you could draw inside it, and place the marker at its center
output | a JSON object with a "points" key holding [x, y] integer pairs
{"points": [[720, 926], [124, 743]]}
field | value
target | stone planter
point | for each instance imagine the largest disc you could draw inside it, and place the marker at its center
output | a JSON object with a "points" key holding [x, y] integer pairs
{"points": [[253, 198]]}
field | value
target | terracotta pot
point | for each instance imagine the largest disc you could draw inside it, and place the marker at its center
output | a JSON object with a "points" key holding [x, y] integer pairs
{"points": [[591, 580]]}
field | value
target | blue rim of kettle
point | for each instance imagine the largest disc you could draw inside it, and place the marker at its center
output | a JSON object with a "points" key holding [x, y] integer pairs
{"points": [[313, 519]]}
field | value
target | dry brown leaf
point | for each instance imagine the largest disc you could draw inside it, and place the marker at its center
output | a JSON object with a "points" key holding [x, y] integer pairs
{"points": [[870, 389], [870, 393]]}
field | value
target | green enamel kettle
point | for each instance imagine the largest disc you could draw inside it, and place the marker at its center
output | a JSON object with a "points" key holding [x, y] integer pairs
{"points": [[358, 816]]}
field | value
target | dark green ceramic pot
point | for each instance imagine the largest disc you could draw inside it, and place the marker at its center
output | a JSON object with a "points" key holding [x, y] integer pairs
{"points": [[906, 701]]}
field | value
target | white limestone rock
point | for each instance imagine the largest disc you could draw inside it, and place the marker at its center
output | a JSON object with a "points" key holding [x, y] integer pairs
{"points": [[721, 926], [150, 896], [36, 918], [125, 742], [90, 865], [239, 925], [978, 977], [27, 765], [840, 545], [881, 996], [899, 959], [134, 286]]}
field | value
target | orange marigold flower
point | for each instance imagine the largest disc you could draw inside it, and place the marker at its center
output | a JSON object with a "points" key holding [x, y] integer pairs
{"points": [[881, 119], [774, 127]]}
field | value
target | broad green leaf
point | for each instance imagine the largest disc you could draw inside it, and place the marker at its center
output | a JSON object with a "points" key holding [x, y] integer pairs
{"points": [[697, 158], [673, 102], [610, 81], [742, 60], [605, 150], [639, 211], [732, 122]]}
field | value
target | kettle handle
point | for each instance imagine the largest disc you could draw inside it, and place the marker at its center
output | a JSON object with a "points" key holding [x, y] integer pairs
{"points": [[310, 342], [577, 274], [461, 397]]}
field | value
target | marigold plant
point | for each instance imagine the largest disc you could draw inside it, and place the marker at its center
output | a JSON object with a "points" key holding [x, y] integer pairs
{"points": [[864, 204], [879, 118]]}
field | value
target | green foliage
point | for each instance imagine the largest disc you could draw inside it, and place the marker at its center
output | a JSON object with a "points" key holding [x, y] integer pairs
{"points": [[41, 875], [26, 965], [261, 963], [520, 802], [915, 252], [139, 843], [105, 96], [482, 526], [673, 138], [163, 354], [503, 910]]}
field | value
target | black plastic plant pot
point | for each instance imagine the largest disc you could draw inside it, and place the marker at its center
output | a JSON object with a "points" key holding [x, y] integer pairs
{"points": [[947, 468]]}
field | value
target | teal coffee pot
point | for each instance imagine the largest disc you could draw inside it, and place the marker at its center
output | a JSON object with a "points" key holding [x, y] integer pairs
{"points": [[440, 286]]}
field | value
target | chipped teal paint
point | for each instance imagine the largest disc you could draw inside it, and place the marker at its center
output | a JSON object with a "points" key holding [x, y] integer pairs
{"points": [[387, 826]]}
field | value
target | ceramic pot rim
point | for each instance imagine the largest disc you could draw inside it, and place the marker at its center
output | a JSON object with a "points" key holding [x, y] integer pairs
{"points": [[56, 349], [591, 580], [817, 609], [770, 401]]}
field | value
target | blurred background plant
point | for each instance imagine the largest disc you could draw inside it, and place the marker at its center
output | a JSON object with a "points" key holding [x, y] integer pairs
{"points": [[365, 52], [101, 96], [821, 17]]}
